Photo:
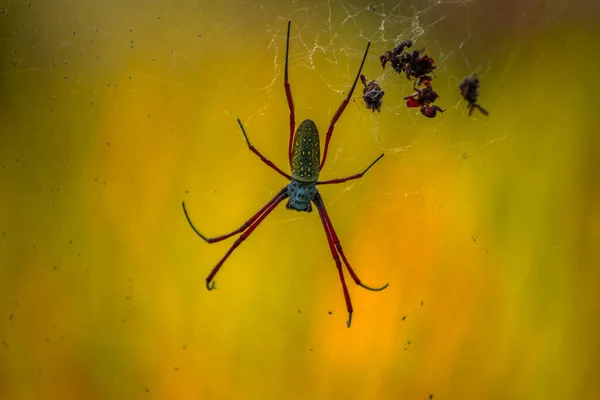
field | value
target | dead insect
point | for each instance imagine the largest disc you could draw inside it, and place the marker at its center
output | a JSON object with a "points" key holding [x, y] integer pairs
{"points": [[418, 66], [372, 94], [394, 56], [424, 80], [423, 98], [469, 88], [415, 65]]}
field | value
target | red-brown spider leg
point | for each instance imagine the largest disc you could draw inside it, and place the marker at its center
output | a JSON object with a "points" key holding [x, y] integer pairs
{"points": [[319, 202], [356, 176], [288, 94], [253, 149], [273, 203], [334, 253], [241, 228], [340, 110]]}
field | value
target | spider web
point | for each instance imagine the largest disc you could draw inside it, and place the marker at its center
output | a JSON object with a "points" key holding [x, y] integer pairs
{"points": [[112, 112], [207, 65], [327, 42]]}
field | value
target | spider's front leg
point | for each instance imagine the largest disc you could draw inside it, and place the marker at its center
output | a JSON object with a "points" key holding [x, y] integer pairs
{"points": [[288, 94], [341, 109]]}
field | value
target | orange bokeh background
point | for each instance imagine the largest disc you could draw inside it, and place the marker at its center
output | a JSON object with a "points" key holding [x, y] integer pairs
{"points": [[485, 228]]}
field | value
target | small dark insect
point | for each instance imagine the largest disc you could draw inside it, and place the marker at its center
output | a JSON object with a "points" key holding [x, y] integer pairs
{"points": [[372, 94], [469, 88], [415, 65], [306, 164], [419, 65], [394, 56], [423, 98]]}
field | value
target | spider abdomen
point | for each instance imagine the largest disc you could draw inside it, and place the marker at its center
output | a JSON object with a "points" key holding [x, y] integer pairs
{"points": [[301, 194], [306, 153]]}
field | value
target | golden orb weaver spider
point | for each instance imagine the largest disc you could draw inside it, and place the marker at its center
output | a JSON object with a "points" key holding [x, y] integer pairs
{"points": [[303, 154]]}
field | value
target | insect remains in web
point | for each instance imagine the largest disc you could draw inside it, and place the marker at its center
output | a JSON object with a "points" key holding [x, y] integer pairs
{"points": [[301, 192], [469, 89], [413, 64], [418, 67], [372, 94], [424, 98], [397, 58]]}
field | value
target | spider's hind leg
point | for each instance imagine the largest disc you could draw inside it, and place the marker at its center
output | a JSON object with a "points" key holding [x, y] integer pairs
{"points": [[210, 285], [336, 241], [336, 251], [336, 258]]}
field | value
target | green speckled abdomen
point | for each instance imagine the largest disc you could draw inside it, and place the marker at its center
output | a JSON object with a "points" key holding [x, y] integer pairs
{"points": [[306, 153]]}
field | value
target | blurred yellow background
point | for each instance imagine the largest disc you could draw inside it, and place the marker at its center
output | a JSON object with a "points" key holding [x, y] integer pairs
{"points": [[486, 228]]}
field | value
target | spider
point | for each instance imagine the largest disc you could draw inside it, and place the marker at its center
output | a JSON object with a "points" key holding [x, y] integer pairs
{"points": [[423, 98], [372, 94], [469, 88], [305, 165]]}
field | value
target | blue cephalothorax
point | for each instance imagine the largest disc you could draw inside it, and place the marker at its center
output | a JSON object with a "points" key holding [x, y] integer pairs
{"points": [[301, 191], [301, 194]]}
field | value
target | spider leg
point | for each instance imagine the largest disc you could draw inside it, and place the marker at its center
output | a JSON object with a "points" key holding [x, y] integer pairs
{"points": [[267, 210], [263, 158], [340, 110], [288, 94], [321, 206], [355, 176], [334, 253], [241, 228]]}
